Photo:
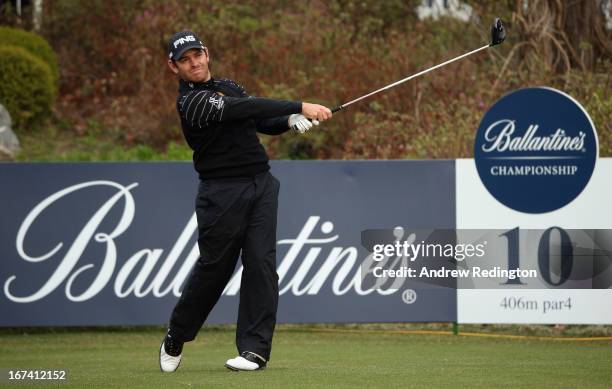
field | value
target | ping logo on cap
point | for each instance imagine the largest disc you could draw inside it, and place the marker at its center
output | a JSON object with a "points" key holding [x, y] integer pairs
{"points": [[180, 41]]}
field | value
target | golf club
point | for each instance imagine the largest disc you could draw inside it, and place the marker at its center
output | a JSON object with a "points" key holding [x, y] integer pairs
{"points": [[498, 34]]}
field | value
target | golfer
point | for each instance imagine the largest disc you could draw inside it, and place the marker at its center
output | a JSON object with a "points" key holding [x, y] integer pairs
{"points": [[236, 204]]}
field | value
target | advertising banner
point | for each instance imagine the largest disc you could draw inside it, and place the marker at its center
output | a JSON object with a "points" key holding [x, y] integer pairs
{"points": [[112, 243]]}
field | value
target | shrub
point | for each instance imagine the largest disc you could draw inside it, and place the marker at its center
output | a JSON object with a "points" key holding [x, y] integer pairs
{"points": [[33, 43], [26, 87]]}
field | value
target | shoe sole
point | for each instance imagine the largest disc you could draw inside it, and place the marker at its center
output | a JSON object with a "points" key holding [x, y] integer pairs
{"points": [[159, 360], [232, 368]]}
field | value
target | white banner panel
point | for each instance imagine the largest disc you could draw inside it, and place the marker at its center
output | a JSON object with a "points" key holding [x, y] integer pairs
{"points": [[538, 301]]}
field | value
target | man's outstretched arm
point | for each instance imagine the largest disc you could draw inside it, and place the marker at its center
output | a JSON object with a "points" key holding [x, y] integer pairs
{"points": [[273, 126], [200, 108]]}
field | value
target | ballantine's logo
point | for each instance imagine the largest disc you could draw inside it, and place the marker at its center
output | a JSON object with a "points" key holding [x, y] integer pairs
{"points": [[535, 149], [144, 273], [499, 138]]}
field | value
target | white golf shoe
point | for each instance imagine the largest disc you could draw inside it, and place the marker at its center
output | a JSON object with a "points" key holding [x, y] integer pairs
{"points": [[170, 360], [247, 361]]}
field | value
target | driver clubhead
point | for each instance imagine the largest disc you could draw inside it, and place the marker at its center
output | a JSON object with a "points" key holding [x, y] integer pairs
{"points": [[498, 32]]}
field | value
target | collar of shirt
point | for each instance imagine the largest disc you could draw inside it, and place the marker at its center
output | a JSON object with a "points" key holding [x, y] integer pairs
{"points": [[185, 86]]}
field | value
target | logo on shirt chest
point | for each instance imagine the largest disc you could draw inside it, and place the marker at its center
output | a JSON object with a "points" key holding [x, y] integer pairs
{"points": [[217, 102]]}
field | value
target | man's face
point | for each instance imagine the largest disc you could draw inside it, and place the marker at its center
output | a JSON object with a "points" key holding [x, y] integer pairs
{"points": [[192, 66]]}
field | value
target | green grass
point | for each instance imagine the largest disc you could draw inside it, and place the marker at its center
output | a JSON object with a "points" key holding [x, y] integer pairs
{"points": [[306, 358], [51, 144]]}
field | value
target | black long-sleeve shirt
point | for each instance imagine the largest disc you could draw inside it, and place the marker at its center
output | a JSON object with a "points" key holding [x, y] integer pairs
{"points": [[220, 122]]}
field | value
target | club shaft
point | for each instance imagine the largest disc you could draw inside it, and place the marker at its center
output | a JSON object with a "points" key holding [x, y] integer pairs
{"points": [[340, 107]]}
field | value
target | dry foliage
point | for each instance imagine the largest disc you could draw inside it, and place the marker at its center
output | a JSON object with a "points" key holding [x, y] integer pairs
{"points": [[112, 56]]}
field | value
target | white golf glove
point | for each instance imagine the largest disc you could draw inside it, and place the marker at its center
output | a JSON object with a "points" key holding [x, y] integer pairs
{"points": [[300, 124]]}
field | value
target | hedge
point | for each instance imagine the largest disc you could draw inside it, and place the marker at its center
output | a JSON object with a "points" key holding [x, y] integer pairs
{"points": [[32, 42], [26, 87]]}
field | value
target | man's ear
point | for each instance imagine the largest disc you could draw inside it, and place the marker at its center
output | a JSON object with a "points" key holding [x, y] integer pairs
{"points": [[207, 55], [173, 66]]}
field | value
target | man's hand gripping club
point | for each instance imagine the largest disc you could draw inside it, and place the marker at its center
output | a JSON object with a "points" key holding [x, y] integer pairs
{"points": [[312, 114]]}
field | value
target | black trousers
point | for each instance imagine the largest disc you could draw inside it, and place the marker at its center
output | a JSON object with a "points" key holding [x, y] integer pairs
{"points": [[234, 215]]}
